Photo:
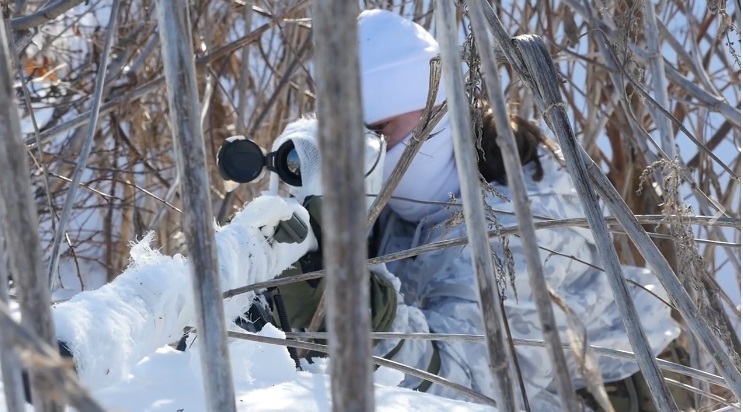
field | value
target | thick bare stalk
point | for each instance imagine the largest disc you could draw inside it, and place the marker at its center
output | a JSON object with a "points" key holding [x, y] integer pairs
{"points": [[9, 362], [340, 138], [660, 84], [82, 161], [521, 205], [35, 124], [548, 98], [20, 224], [538, 63], [721, 356], [499, 362], [528, 56], [183, 101]]}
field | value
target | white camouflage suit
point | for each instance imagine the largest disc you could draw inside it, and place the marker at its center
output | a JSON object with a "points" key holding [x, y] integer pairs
{"points": [[133, 315], [438, 294]]}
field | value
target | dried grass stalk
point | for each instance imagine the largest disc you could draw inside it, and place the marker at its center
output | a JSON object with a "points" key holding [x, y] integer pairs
{"points": [[340, 138], [521, 205], [530, 59], [19, 223], [188, 140], [499, 358], [11, 365]]}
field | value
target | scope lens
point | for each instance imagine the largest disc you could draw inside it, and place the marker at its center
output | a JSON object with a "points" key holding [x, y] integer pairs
{"points": [[292, 162]]}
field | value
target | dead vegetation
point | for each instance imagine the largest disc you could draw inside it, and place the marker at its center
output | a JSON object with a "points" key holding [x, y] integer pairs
{"points": [[677, 140]]}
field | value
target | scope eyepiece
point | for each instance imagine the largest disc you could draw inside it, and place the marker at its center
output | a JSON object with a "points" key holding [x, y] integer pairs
{"points": [[285, 162]]}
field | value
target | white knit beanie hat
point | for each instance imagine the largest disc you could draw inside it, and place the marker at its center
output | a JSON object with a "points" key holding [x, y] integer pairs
{"points": [[394, 57]]}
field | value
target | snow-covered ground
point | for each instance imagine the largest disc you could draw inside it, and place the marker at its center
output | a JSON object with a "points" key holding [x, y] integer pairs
{"points": [[119, 333], [265, 380]]}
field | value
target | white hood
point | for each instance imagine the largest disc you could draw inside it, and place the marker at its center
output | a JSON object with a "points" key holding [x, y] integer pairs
{"points": [[303, 132]]}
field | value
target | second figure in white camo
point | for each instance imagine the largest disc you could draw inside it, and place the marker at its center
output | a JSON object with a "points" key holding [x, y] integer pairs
{"points": [[436, 292]]}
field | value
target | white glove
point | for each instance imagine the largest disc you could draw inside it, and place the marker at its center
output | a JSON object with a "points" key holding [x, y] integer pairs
{"points": [[266, 212]]}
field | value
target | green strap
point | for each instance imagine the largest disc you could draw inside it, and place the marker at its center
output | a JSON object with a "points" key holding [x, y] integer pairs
{"points": [[391, 354], [395, 350], [433, 368]]}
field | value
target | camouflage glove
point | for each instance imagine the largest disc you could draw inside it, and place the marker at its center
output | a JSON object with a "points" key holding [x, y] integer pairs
{"points": [[302, 298]]}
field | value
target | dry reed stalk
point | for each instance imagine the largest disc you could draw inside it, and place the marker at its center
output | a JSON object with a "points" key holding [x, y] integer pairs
{"points": [[433, 246], [443, 337], [531, 52], [340, 135], [11, 365], [499, 358], [522, 207], [551, 104], [19, 224], [614, 122], [183, 100]]}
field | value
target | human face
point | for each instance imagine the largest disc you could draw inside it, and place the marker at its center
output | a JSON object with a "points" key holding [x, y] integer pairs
{"points": [[395, 129]]}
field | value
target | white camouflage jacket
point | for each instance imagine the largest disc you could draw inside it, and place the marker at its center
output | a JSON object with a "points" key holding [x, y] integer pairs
{"points": [[438, 294], [150, 303]]}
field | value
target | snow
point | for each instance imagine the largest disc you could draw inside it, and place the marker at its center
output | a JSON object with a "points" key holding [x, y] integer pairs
{"points": [[119, 334], [265, 380]]}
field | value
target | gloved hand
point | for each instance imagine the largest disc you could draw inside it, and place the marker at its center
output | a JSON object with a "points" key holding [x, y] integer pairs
{"points": [[302, 298], [284, 226]]}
